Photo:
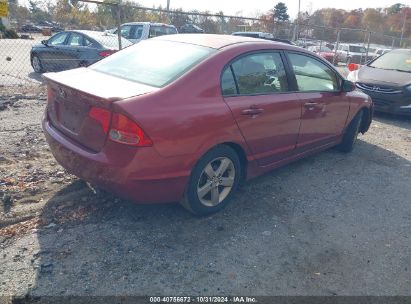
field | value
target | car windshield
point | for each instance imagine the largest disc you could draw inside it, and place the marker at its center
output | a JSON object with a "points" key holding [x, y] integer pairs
{"points": [[357, 49], [153, 62], [394, 61]]}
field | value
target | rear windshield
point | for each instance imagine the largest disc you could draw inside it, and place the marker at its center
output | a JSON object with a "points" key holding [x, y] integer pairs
{"points": [[393, 61], [153, 62], [357, 49]]}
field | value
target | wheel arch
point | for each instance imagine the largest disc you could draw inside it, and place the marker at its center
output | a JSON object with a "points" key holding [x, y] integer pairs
{"points": [[241, 155], [366, 119]]}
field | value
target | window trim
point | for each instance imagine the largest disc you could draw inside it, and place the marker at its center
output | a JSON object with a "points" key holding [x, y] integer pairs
{"points": [[229, 64], [323, 61]]}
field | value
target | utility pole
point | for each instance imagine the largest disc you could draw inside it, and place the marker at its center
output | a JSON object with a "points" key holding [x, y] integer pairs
{"points": [[168, 11], [297, 25], [119, 24], [403, 24]]}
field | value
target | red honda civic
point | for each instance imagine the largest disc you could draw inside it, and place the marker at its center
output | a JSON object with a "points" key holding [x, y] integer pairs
{"points": [[189, 117]]}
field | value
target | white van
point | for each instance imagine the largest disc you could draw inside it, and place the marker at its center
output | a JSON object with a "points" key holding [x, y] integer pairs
{"points": [[137, 31]]}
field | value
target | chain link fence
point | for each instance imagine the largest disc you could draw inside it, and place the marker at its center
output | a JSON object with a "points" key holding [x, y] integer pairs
{"points": [[36, 48]]}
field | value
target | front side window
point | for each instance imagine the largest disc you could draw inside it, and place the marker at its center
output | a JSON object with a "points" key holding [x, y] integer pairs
{"points": [[260, 73], [58, 39], [313, 75]]}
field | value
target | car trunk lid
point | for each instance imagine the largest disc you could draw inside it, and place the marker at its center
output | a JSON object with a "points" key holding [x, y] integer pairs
{"points": [[71, 96]]}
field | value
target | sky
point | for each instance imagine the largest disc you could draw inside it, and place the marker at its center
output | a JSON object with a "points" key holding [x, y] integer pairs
{"points": [[252, 8]]}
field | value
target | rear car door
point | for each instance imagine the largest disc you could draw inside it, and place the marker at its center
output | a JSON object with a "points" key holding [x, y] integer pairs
{"points": [[74, 50], [325, 106], [256, 88]]}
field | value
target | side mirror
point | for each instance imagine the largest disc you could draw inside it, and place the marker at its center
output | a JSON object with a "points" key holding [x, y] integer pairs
{"points": [[44, 42], [348, 86]]}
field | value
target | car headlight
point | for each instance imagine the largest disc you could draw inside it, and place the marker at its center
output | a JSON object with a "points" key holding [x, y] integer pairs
{"points": [[408, 89], [352, 76]]}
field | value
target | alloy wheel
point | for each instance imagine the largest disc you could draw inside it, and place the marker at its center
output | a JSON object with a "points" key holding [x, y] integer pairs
{"points": [[216, 181]]}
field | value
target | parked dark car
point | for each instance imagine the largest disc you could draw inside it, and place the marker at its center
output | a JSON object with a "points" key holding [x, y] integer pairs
{"points": [[72, 49], [387, 79], [191, 28], [30, 28], [188, 117]]}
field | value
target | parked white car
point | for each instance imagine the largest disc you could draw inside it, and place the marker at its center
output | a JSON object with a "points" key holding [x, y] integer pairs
{"points": [[137, 31], [352, 53]]}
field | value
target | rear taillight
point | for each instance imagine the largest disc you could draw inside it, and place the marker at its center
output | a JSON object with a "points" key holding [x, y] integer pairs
{"points": [[120, 128], [50, 94], [106, 53], [124, 130], [102, 116]]}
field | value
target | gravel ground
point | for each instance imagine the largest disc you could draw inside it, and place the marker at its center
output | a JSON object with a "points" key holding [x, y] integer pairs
{"points": [[331, 224]]}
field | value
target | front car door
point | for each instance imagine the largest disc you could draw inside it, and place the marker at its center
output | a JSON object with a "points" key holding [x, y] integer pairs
{"points": [[51, 56], [325, 107], [256, 88]]}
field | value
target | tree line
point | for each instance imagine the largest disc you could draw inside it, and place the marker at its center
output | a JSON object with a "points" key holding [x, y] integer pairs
{"points": [[79, 15]]}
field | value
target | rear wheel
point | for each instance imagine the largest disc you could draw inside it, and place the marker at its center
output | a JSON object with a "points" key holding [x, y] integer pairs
{"points": [[351, 134], [213, 181], [36, 64]]}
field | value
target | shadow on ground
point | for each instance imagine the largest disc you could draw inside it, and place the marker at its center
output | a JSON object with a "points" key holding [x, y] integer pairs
{"points": [[326, 225]]}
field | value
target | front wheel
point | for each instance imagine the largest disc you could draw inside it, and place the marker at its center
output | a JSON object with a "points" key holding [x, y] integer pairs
{"points": [[351, 134], [213, 181]]}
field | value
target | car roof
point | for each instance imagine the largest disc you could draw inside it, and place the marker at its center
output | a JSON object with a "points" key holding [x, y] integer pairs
{"points": [[216, 41]]}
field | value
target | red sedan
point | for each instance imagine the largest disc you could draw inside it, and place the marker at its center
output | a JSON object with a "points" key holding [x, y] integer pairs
{"points": [[188, 117], [324, 52]]}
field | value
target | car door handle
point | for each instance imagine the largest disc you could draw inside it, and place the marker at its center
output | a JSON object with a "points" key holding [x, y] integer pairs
{"points": [[252, 111], [310, 105]]}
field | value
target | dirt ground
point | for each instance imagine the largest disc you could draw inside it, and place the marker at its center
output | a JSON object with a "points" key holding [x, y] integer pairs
{"points": [[331, 224]]}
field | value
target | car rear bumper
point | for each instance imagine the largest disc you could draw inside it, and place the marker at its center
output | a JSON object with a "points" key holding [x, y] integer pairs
{"points": [[139, 174]]}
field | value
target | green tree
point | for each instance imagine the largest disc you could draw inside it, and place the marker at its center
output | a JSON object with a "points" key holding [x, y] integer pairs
{"points": [[280, 12]]}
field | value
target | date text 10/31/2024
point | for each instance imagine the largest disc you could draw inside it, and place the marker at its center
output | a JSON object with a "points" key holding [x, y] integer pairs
{"points": [[239, 299]]}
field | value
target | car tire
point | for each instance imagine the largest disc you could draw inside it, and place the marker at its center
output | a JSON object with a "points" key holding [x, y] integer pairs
{"points": [[83, 64], [351, 134], [213, 181], [36, 64]]}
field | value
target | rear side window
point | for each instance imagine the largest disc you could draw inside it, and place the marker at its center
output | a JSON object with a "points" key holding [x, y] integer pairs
{"points": [[228, 83], [313, 75], [75, 39], [261, 73]]}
